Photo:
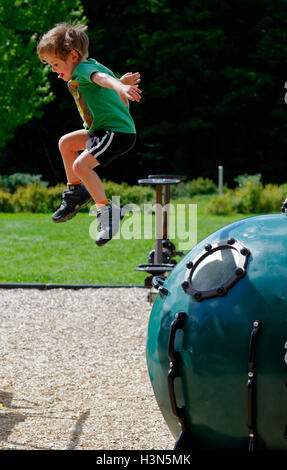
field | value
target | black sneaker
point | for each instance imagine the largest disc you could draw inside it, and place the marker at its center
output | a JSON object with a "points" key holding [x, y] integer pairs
{"points": [[72, 202], [108, 218]]}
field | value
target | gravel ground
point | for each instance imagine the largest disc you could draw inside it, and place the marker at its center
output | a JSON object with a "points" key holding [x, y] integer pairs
{"points": [[73, 371]]}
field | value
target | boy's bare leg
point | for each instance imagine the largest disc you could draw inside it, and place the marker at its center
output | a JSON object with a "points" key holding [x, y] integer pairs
{"points": [[83, 168], [80, 167], [78, 196], [69, 145], [109, 215]]}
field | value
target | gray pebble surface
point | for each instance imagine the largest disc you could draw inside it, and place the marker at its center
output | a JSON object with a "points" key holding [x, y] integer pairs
{"points": [[73, 371]]}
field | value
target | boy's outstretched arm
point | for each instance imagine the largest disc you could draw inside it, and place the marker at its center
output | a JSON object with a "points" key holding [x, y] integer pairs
{"points": [[131, 92]]}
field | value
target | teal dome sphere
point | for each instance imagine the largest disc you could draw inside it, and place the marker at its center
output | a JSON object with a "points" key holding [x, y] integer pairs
{"points": [[217, 339]]}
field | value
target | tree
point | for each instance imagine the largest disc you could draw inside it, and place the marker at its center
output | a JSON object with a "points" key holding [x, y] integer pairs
{"points": [[214, 75], [213, 80], [24, 84]]}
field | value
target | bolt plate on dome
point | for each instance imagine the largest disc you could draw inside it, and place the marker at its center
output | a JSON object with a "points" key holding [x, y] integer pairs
{"points": [[216, 269]]}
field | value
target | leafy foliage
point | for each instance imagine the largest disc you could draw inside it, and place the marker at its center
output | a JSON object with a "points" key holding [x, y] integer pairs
{"points": [[213, 79], [24, 85]]}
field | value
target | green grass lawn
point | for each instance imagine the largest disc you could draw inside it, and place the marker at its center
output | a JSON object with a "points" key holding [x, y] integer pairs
{"points": [[34, 249]]}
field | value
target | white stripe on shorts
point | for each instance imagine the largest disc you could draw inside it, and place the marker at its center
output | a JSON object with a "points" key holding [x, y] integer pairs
{"points": [[100, 143]]}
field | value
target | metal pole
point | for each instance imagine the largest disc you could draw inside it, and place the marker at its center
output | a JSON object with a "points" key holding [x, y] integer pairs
{"points": [[220, 179], [158, 222], [166, 211]]}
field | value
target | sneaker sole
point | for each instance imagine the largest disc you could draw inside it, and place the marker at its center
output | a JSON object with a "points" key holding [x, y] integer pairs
{"points": [[71, 214], [103, 241]]}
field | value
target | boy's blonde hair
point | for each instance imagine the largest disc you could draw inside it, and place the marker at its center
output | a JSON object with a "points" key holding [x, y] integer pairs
{"points": [[62, 39]]}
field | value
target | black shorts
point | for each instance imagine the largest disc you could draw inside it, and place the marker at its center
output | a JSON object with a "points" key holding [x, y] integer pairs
{"points": [[106, 146]]}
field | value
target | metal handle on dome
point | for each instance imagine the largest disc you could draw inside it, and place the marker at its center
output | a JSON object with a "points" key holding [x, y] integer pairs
{"points": [[173, 372], [157, 282]]}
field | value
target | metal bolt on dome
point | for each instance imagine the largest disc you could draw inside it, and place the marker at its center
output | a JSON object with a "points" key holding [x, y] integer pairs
{"points": [[251, 422]]}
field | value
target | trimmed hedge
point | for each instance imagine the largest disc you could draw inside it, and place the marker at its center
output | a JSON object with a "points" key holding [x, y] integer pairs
{"points": [[250, 196], [35, 197], [28, 193]]}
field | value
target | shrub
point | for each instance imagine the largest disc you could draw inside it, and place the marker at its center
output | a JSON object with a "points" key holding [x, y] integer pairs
{"points": [[54, 197], [242, 180], [202, 186], [129, 194], [31, 198], [220, 205], [31, 194], [12, 182], [191, 188], [272, 197], [249, 197], [35, 197], [6, 204]]}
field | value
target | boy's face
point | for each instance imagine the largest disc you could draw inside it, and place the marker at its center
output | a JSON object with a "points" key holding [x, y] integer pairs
{"points": [[64, 68]]}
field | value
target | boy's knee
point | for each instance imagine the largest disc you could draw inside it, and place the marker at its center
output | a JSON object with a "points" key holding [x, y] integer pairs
{"points": [[78, 167], [66, 143], [62, 143]]}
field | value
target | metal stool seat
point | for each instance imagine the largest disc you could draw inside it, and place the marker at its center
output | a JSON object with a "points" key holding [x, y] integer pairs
{"points": [[161, 224], [164, 248]]}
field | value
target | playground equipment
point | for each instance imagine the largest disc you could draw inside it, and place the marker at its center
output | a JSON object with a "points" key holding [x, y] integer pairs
{"points": [[217, 340], [160, 260]]}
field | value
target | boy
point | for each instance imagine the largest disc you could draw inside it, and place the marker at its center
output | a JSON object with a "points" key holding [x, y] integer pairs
{"points": [[102, 101]]}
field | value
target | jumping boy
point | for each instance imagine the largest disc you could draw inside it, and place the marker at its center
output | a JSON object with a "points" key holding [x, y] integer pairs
{"points": [[109, 130]]}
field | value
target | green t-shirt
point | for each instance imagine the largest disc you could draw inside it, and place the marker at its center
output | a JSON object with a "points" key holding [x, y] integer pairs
{"points": [[100, 108]]}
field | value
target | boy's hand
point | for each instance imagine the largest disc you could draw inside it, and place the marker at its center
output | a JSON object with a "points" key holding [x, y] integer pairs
{"points": [[130, 92], [130, 78]]}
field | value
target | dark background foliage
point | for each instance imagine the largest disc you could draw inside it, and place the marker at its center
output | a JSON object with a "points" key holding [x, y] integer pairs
{"points": [[213, 82]]}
